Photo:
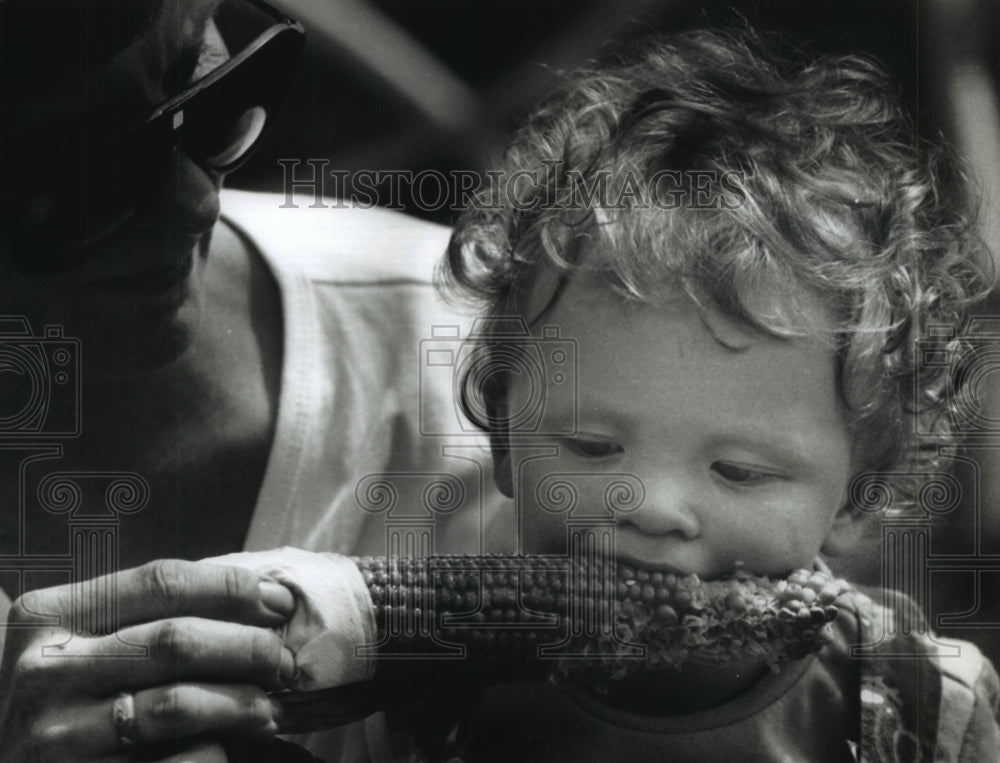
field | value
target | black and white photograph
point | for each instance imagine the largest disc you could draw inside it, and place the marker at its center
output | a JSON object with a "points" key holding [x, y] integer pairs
{"points": [[467, 381]]}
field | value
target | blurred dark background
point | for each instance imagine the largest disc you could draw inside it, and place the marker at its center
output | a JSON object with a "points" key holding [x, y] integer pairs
{"points": [[417, 84]]}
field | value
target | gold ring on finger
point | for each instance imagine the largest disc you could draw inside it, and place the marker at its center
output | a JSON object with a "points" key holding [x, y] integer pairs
{"points": [[123, 713]]}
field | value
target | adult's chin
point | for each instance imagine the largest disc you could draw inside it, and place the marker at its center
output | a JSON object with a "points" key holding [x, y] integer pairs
{"points": [[138, 351], [133, 334]]}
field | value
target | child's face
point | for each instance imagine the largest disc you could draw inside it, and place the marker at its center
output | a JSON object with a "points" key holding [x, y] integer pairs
{"points": [[739, 439]]}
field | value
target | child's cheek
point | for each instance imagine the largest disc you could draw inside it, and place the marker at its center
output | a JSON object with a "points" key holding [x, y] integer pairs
{"points": [[774, 538], [554, 500]]}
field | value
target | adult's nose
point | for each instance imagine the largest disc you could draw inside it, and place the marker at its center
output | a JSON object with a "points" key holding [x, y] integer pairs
{"points": [[197, 199], [185, 197]]}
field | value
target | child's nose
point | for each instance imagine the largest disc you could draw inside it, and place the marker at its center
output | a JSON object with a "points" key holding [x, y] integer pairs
{"points": [[668, 508]]}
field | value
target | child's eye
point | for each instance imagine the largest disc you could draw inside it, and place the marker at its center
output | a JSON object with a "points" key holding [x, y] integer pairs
{"points": [[593, 448], [742, 475]]}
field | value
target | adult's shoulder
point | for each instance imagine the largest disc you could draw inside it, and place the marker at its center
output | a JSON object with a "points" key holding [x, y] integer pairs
{"points": [[327, 239]]}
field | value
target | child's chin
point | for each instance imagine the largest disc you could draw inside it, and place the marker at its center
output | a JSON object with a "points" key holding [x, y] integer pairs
{"points": [[691, 688]]}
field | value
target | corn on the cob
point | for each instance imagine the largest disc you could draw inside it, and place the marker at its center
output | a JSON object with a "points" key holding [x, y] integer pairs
{"points": [[504, 618]]}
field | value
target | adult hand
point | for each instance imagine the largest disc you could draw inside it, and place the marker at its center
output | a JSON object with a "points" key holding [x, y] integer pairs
{"points": [[334, 614], [210, 659]]}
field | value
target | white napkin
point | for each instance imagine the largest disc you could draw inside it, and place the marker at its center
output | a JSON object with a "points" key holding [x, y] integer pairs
{"points": [[333, 613]]}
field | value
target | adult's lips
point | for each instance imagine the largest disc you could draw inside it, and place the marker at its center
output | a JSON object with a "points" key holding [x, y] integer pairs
{"points": [[140, 282], [150, 281]]}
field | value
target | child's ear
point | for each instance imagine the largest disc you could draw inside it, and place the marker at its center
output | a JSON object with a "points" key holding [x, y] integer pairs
{"points": [[503, 471], [503, 467], [846, 532]]}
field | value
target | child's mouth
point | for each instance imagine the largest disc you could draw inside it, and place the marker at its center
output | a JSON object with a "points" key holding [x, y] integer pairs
{"points": [[631, 562]]}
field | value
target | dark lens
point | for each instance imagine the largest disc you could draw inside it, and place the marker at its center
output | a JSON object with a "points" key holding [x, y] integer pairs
{"points": [[226, 120], [94, 188], [222, 143], [246, 132]]}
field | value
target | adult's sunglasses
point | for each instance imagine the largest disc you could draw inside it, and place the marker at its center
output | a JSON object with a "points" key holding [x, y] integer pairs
{"points": [[217, 122]]}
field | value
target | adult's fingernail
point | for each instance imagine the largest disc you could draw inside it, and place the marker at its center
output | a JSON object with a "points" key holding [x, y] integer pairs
{"points": [[277, 712], [287, 666], [276, 598]]}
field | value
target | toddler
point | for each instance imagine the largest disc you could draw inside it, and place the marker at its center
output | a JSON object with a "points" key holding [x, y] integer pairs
{"points": [[739, 256]]}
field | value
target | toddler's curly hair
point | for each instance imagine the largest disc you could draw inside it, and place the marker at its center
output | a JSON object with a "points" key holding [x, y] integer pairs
{"points": [[755, 183]]}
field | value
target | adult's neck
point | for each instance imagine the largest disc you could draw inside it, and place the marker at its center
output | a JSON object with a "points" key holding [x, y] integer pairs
{"points": [[235, 349], [200, 430]]}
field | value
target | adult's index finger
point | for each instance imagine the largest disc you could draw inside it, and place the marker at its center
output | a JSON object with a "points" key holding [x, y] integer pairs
{"points": [[163, 589]]}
